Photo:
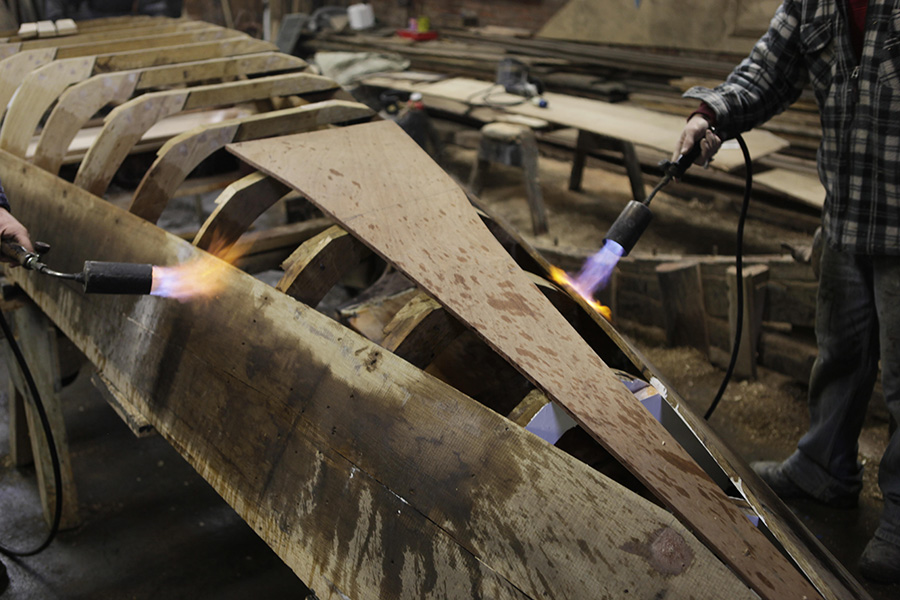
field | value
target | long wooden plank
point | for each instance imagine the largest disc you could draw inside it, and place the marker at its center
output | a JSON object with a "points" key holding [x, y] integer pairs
{"points": [[637, 125], [133, 43], [89, 36], [76, 104], [128, 122], [361, 177], [367, 476]]}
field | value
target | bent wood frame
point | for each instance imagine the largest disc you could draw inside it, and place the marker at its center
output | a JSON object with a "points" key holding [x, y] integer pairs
{"points": [[79, 102], [367, 476], [125, 125], [15, 68]]}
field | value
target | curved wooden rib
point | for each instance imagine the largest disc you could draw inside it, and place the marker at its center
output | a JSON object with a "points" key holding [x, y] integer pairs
{"points": [[134, 43], [180, 155], [319, 264], [238, 206], [81, 101], [125, 125], [35, 95], [15, 68], [350, 173], [420, 330]]}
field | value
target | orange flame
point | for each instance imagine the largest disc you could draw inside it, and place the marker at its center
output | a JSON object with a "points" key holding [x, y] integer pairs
{"points": [[563, 279], [198, 278]]}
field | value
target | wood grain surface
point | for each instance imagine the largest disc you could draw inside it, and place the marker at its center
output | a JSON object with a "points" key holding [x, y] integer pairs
{"points": [[376, 182]]}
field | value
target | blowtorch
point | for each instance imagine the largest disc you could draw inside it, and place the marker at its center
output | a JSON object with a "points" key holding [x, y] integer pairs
{"points": [[97, 277], [636, 216]]}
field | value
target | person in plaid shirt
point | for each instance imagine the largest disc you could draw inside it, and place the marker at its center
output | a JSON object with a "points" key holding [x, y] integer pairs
{"points": [[848, 52]]}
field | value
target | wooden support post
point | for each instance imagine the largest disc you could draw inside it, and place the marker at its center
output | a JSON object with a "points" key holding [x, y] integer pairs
{"points": [[36, 337], [19, 439], [754, 294], [682, 297], [420, 330]]}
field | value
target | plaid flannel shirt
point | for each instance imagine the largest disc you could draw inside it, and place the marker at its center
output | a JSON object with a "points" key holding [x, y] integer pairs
{"points": [[859, 102]]}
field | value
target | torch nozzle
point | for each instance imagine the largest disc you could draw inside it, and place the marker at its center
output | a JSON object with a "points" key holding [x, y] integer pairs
{"points": [[97, 277]]}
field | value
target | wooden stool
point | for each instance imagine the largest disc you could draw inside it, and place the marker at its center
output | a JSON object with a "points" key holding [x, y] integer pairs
{"points": [[589, 142], [516, 146]]}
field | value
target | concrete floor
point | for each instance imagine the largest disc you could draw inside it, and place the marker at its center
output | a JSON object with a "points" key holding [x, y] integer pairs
{"points": [[151, 527]]}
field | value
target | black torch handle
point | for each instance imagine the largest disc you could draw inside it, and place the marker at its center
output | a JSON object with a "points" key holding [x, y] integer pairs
{"points": [[117, 278]]}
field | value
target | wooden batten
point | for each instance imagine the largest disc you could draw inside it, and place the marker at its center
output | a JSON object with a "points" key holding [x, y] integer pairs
{"points": [[70, 50], [280, 422], [89, 36]]}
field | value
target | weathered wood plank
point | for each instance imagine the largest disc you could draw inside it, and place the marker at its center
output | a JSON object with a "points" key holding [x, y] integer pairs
{"points": [[125, 125], [133, 43], [90, 36], [181, 154], [76, 104], [367, 476], [357, 174]]}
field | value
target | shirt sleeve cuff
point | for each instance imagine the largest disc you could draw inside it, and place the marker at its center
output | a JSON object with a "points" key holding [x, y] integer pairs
{"points": [[705, 111]]}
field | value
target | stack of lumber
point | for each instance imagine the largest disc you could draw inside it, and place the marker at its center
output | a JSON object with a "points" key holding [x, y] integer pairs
{"points": [[363, 462], [652, 78]]}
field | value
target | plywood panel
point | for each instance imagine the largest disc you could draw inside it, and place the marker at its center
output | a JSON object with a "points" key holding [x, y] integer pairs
{"points": [[383, 188]]}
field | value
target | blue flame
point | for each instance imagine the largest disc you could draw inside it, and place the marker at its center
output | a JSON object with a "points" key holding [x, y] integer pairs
{"points": [[597, 270]]}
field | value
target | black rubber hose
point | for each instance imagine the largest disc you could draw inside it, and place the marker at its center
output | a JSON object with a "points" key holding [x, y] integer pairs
{"points": [[739, 267], [48, 433]]}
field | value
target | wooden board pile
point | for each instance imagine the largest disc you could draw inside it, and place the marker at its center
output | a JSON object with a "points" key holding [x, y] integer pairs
{"points": [[363, 461]]}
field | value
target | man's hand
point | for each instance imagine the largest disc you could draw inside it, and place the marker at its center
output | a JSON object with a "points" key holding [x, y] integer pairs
{"points": [[12, 230], [697, 128]]}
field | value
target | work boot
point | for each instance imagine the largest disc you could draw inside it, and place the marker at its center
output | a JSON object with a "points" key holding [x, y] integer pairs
{"points": [[772, 472], [880, 561]]}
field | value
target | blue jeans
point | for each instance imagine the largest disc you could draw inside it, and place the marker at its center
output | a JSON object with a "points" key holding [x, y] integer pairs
{"points": [[857, 321]]}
